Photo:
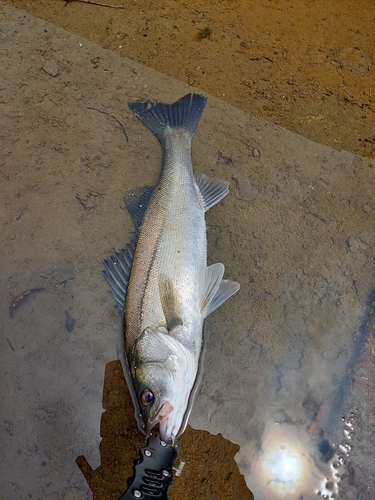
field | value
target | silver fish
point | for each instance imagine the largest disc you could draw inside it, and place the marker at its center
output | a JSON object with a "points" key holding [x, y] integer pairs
{"points": [[169, 288]]}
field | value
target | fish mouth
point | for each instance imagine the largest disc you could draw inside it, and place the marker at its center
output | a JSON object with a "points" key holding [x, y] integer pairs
{"points": [[162, 419]]}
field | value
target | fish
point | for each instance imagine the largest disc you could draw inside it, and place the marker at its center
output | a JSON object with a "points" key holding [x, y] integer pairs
{"points": [[161, 280]]}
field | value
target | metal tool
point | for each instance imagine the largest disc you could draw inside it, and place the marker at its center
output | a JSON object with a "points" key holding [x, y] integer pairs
{"points": [[153, 471]]}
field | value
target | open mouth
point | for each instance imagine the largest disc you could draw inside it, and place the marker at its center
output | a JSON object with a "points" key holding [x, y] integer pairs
{"points": [[161, 420]]}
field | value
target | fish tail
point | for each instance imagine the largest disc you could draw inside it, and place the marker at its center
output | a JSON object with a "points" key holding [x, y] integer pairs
{"points": [[160, 118]]}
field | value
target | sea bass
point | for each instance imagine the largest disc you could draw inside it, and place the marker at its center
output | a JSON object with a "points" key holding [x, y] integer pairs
{"points": [[169, 288]]}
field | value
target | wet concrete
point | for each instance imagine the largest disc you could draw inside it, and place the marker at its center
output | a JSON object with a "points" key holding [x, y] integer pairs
{"points": [[291, 351]]}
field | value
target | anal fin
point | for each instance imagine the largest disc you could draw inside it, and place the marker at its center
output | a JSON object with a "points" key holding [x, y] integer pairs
{"points": [[211, 190]]}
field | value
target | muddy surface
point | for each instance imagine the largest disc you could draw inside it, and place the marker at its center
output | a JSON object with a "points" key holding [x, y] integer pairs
{"points": [[295, 346], [307, 66]]}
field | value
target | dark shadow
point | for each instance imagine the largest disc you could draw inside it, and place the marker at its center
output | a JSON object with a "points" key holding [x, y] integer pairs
{"points": [[120, 439], [345, 384], [210, 471]]}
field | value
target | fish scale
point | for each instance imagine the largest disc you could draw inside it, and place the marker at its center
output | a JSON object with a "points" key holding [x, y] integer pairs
{"points": [[172, 229]]}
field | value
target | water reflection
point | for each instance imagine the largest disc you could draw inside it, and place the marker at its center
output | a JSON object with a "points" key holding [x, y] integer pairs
{"points": [[297, 341], [293, 464], [327, 456], [288, 466]]}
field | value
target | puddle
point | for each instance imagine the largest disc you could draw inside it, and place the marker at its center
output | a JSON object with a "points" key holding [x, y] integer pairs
{"points": [[288, 382]]}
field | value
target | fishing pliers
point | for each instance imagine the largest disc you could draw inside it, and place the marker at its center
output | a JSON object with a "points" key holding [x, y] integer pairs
{"points": [[153, 471]]}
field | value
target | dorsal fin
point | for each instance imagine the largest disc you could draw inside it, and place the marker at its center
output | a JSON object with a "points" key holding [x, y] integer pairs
{"points": [[117, 270], [136, 202], [211, 190]]}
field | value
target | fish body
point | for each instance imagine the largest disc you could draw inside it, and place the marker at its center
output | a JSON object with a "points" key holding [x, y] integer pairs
{"points": [[169, 288]]}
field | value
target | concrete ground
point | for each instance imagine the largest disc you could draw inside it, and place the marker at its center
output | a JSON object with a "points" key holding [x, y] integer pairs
{"points": [[286, 358]]}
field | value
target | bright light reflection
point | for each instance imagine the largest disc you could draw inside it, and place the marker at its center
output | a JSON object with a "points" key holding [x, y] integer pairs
{"points": [[285, 466]]}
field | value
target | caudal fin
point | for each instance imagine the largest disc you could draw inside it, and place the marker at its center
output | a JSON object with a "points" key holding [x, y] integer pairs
{"points": [[159, 118]]}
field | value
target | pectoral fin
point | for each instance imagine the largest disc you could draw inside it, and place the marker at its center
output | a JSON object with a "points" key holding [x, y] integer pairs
{"points": [[170, 303], [216, 290]]}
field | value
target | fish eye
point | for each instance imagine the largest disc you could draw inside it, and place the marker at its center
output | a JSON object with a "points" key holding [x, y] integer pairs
{"points": [[147, 397]]}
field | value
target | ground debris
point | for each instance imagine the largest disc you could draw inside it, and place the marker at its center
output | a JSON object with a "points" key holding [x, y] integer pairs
{"points": [[18, 298], [96, 3], [69, 322]]}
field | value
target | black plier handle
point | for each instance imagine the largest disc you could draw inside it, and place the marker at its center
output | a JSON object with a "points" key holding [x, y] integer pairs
{"points": [[153, 471]]}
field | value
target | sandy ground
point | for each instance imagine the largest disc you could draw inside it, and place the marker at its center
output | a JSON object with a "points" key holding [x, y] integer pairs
{"points": [[307, 66], [296, 231]]}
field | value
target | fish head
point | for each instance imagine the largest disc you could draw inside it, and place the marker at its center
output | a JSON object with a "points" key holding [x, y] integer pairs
{"points": [[163, 374], [157, 396]]}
